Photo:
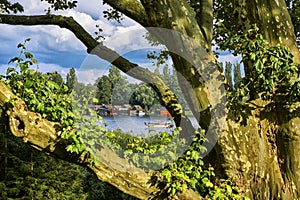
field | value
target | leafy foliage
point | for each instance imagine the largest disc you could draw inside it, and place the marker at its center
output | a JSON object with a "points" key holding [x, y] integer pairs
{"points": [[145, 96], [181, 167], [71, 80], [51, 100], [26, 173], [97, 190], [60, 5], [104, 88], [294, 10], [98, 34], [8, 7], [189, 171], [40, 94], [55, 77], [112, 14], [155, 151], [274, 75]]}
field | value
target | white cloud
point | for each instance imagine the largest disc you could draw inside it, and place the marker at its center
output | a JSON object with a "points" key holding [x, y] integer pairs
{"points": [[89, 23], [90, 75], [93, 7], [126, 39], [35, 7], [229, 58], [50, 67], [63, 40]]}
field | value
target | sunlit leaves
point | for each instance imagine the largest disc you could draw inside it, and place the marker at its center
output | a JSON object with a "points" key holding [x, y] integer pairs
{"points": [[274, 74], [189, 171], [48, 98]]}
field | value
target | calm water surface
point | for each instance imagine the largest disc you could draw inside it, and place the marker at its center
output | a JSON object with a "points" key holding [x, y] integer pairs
{"points": [[136, 124]]}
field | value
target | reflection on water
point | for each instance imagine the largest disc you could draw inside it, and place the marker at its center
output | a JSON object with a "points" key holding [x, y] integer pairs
{"points": [[135, 124]]}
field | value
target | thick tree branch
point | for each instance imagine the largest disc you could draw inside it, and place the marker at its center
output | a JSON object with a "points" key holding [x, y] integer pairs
{"points": [[206, 19], [41, 134], [61, 21], [131, 8]]}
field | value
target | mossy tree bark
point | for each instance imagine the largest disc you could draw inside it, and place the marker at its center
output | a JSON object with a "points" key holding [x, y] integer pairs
{"points": [[259, 150]]}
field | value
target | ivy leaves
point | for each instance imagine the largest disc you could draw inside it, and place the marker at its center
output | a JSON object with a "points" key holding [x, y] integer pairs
{"points": [[53, 102], [274, 75], [39, 93], [190, 171]]}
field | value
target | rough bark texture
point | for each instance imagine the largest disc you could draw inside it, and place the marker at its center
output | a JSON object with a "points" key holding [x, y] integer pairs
{"points": [[190, 52], [260, 151], [273, 20]]}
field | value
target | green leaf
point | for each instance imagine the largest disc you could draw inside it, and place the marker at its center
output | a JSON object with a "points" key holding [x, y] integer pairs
{"points": [[173, 191], [258, 66], [15, 59], [229, 189], [209, 184], [28, 83], [28, 55], [91, 142], [20, 45], [167, 174], [9, 70], [193, 183], [95, 100], [52, 85]]}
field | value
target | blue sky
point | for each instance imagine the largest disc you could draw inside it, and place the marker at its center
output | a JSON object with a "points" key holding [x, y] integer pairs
{"points": [[58, 50]]}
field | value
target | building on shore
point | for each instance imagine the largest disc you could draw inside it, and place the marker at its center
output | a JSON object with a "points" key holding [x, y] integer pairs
{"points": [[164, 112], [137, 110], [125, 110]]}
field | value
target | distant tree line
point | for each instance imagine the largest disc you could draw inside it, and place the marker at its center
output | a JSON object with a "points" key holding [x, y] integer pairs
{"points": [[114, 88]]}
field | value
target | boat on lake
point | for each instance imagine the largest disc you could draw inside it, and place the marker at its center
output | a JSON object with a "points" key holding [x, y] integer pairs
{"points": [[159, 124]]}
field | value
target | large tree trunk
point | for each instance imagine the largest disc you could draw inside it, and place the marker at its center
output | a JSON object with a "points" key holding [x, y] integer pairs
{"points": [[260, 151], [260, 148]]}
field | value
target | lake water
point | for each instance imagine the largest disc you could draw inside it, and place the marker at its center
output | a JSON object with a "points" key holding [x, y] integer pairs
{"points": [[135, 124]]}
